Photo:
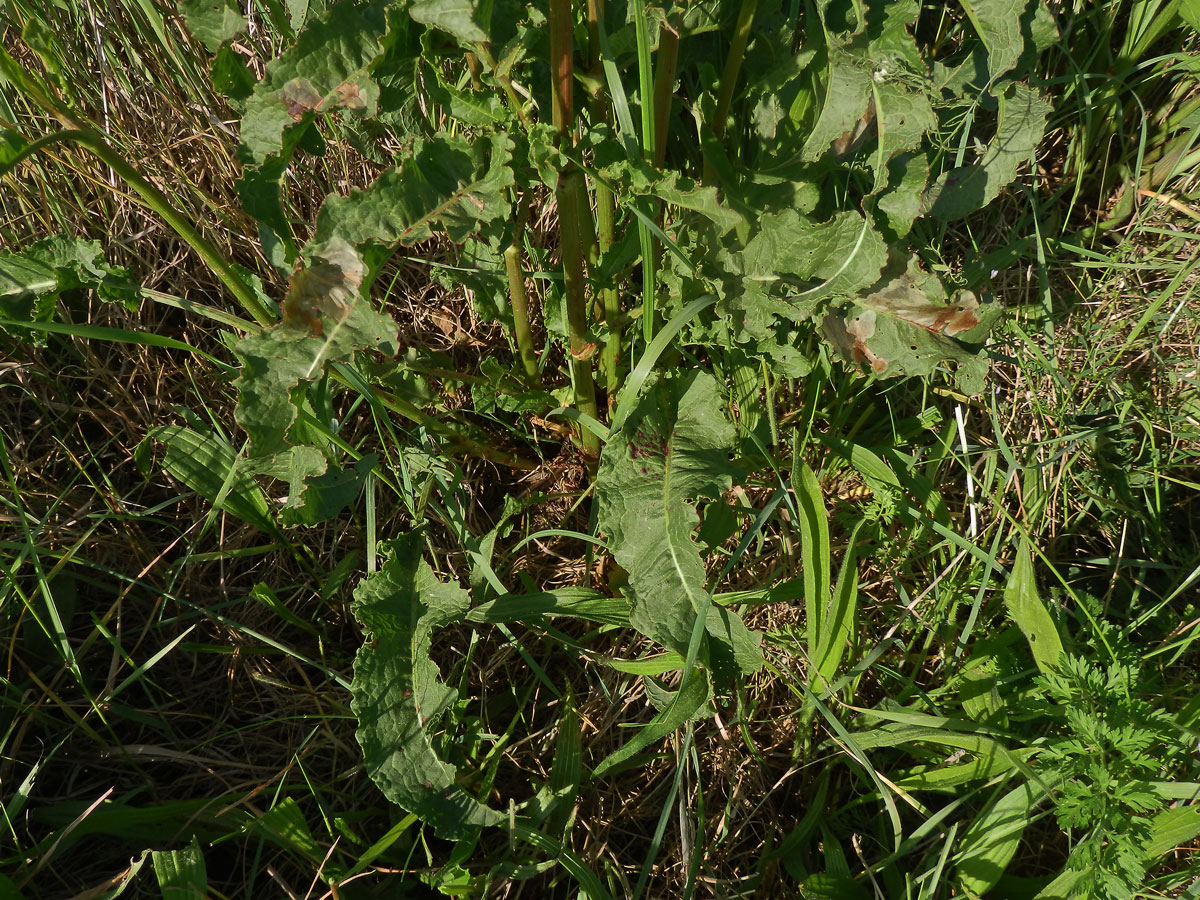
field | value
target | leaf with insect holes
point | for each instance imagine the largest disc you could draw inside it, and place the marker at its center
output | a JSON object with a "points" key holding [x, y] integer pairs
{"points": [[326, 318], [327, 69], [212, 22], [1019, 128], [397, 694], [900, 330], [673, 448], [448, 184]]}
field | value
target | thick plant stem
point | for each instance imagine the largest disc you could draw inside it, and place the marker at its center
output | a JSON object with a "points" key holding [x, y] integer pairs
{"points": [[571, 237], [733, 66], [610, 299], [562, 67], [665, 65], [576, 233], [606, 220], [520, 300]]}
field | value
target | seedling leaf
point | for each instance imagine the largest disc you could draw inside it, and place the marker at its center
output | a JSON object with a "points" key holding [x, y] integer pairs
{"points": [[1030, 613]]}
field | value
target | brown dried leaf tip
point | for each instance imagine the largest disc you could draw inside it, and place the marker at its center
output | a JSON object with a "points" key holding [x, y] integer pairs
{"points": [[903, 300], [850, 337], [325, 288]]}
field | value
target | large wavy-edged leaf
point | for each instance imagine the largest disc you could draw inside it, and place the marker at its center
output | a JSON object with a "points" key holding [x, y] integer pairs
{"points": [[672, 449], [1019, 129], [328, 68], [449, 183], [998, 24], [459, 18], [397, 694], [842, 255], [326, 318], [31, 279], [880, 86], [902, 329]]}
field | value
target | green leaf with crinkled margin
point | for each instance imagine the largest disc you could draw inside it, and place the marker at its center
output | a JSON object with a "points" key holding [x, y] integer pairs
{"points": [[673, 448], [328, 68], [1019, 129], [397, 694], [998, 24], [326, 318], [448, 184], [212, 22], [456, 17], [843, 255], [32, 279]]}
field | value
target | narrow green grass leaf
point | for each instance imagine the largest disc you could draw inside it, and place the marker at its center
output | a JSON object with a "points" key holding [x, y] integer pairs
{"points": [[814, 552], [1030, 613], [838, 618], [397, 695], [991, 842], [685, 703], [580, 603]]}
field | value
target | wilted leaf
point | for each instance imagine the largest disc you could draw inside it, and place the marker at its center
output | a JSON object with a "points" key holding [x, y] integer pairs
{"points": [[397, 695], [327, 318], [899, 330], [672, 449], [328, 68]]}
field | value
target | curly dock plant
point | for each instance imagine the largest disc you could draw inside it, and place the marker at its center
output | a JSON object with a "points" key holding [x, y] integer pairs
{"points": [[740, 178]]}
